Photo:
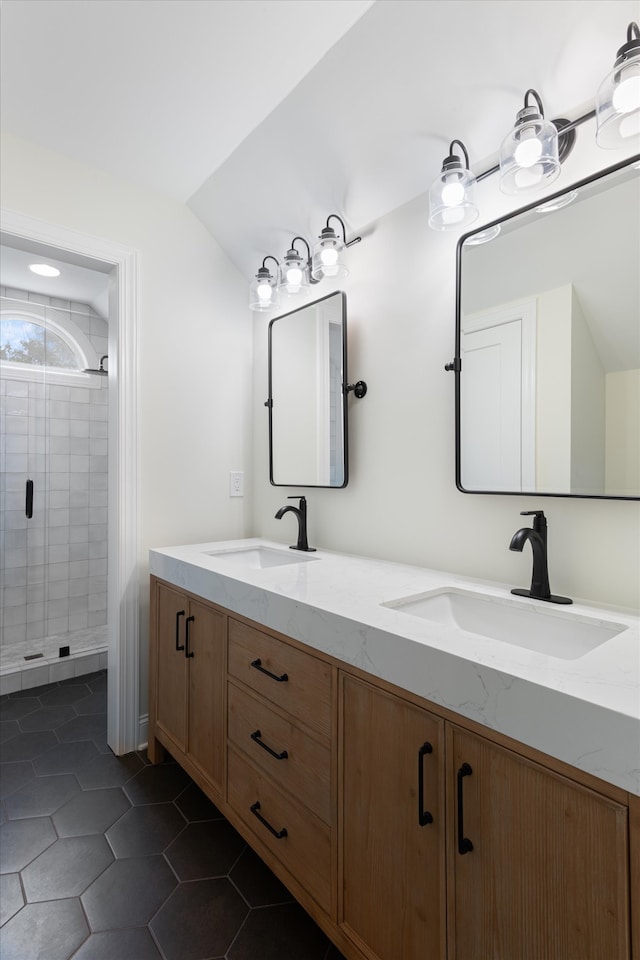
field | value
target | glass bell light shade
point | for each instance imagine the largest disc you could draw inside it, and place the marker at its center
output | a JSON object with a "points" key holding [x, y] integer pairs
{"points": [[452, 196], [294, 276], [529, 153], [618, 97], [329, 258], [263, 290]]}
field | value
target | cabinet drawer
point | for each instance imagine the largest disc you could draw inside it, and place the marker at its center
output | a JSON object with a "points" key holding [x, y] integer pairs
{"points": [[305, 849], [306, 691], [259, 732]]}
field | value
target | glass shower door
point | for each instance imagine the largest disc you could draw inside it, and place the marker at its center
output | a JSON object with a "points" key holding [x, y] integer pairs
{"points": [[22, 486]]}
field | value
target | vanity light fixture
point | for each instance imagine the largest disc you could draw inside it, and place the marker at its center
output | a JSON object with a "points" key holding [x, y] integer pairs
{"points": [[292, 277], [452, 195], [263, 290], [618, 97], [529, 155], [329, 252], [532, 153], [295, 272]]}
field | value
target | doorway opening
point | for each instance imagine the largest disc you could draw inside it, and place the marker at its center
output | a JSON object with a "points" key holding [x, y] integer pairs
{"points": [[73, 403]]}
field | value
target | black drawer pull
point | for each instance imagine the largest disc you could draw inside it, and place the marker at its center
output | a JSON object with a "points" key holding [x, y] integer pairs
{"points": [[424, 817], [255, 736], [188, 653], [257, 664], [28, 503], [278, 834], [179, 614], [464, 844]]}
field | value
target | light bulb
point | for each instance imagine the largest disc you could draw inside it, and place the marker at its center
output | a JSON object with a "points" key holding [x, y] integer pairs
{"points": [[294, 276], [264, 292], [528, 152], [626, 96], [452, 194], [329, 256]]}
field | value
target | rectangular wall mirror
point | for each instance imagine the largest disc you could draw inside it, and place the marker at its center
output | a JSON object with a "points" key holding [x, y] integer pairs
{"points": [[548, 345], [307, 397]]}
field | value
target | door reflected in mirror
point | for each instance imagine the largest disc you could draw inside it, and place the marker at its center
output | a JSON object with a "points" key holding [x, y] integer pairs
{"points": [[548, 336], [307, 400]]}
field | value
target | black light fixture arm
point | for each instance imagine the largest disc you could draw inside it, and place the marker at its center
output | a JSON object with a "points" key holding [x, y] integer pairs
{"points": [[269, 257], [350, 243], [630, 48], [302, 239], [463, 148], [533, 93]]}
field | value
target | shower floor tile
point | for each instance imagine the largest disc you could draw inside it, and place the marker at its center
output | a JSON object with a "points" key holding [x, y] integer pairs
{"points": [[87, 652]]}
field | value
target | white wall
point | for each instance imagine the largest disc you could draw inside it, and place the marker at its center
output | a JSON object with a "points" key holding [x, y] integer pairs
{"points": [[553, 390], [401, 502], [194, 346], [623, 430], [587, 405]]}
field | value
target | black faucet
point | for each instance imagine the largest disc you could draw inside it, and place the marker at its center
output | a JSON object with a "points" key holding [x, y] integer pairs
{"points": [[537, 536], [301, 514]]}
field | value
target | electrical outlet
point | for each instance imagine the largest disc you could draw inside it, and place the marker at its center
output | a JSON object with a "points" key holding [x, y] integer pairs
{"points": [[236, 483]]}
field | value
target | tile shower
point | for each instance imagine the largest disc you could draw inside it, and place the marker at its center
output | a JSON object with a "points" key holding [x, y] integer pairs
{"points": [[53, 566]]}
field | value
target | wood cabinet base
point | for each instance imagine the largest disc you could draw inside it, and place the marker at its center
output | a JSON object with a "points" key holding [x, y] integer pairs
{"points": [[410, 833]]}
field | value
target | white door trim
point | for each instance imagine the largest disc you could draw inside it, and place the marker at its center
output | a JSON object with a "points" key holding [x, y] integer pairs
{"points": [[123, 587]]}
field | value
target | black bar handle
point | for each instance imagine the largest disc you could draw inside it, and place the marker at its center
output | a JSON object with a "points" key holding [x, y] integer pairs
{"points": [[188, 653], [424, 817], [28, 504], [179, 614], [255, 736], [464, 844], [278, 834], [257, 665]]}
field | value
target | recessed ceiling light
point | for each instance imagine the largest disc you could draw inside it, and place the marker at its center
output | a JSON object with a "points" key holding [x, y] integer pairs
{"points": [[44, 270]]}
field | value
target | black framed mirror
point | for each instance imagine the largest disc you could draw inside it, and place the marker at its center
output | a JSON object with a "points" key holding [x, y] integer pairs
{"points": [[308, 442], [548, 345]]}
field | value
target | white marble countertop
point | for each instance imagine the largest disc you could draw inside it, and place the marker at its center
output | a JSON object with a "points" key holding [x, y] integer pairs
{"points": [[584, 710]]}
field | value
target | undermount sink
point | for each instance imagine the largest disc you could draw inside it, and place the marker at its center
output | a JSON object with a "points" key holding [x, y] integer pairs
{"points": [[535, 627], [259, 558]]}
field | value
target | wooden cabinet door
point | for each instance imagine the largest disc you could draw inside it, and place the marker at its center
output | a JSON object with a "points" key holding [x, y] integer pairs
{"points": [[547, 878], [207, 682], [393, 860], [171, 664]]}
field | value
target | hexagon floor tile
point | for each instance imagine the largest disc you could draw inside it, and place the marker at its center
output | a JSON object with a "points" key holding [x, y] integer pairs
{"points": [[199, 920], [144, 831], [66, 868], [91, 811], [111, 858]]}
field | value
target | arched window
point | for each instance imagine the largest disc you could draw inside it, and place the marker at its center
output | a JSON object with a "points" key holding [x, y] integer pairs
{"points": [[25, 340], [33, 346]]}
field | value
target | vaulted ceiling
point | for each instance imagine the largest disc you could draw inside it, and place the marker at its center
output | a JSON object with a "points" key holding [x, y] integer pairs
{"points": [[267, 115]]}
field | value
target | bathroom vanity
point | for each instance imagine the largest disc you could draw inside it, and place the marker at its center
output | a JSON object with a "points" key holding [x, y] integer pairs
{"points": [[434, 768]]}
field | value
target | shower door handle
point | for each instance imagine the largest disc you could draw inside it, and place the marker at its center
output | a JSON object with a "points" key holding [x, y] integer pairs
{"points": [[28, 505]]}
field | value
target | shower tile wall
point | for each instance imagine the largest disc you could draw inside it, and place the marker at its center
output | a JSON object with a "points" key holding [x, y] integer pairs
{"points": [[54, 568]]}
